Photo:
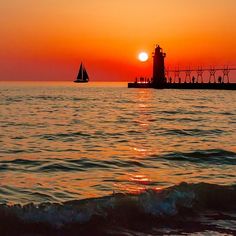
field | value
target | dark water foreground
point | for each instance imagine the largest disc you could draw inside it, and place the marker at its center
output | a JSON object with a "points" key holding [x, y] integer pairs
{"points": [[182, 209]]}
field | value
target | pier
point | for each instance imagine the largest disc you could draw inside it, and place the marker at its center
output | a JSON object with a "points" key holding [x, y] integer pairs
{"points": [[193, 77]]}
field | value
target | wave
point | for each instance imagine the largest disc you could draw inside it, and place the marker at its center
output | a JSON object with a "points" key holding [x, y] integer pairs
{"points": [[68, 165], [198, 157], [212, 156], [60, 136], [194, 132], [149, 208]]}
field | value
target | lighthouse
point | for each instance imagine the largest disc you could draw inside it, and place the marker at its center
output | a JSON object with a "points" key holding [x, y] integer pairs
{"points": [[159, 67]]}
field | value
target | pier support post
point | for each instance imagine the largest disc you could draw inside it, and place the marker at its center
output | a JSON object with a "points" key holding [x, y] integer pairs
{"points": [[226, 71], [212, 74], [176, 76], [188, 76], [200, 74]]}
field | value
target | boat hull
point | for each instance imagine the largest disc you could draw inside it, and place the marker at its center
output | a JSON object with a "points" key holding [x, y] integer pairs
{"points": [[76, 81]]}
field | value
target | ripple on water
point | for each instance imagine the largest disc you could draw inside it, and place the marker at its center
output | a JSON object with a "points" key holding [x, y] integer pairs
{"points": [[72, 138]]}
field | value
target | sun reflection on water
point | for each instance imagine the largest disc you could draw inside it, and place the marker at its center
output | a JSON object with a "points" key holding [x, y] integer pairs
{"points": [[68, 142]]}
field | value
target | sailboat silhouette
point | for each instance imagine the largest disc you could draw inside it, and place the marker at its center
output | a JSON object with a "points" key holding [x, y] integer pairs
{"points": [[82, 76]]}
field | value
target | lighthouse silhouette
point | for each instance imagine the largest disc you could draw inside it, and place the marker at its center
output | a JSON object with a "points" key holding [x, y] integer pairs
{"points": [[159, 67]]}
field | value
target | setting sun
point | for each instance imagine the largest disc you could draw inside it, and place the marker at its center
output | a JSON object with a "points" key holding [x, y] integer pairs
{"points": [[143, 56]]}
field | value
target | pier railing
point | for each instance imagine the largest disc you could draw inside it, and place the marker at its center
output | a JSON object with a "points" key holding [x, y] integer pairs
{"points": [[196, 75]]}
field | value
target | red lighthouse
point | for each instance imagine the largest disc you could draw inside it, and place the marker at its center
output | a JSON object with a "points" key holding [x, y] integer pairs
{"points": [[158, 67]]}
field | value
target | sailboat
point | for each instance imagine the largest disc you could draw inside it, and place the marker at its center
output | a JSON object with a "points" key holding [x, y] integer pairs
{"points": [[82, 76]]}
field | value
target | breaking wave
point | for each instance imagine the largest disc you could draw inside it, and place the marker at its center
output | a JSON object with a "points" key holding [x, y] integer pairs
{"points": [[101, 216]]}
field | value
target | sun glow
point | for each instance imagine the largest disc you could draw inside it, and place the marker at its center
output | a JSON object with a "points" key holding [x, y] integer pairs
{"points": [[143, 56]]}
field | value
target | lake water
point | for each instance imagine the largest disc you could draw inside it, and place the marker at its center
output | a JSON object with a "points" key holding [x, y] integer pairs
{"points": [[124, 161]]}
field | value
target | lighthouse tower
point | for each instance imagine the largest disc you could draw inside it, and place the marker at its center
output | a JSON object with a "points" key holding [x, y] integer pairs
{"points": [[158, 67]]}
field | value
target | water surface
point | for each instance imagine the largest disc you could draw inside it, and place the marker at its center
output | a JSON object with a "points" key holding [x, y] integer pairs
{"points": [[64, 141]]}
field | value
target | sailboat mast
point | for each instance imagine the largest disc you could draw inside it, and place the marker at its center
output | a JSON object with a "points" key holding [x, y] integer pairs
{"points": [[80, 74]]}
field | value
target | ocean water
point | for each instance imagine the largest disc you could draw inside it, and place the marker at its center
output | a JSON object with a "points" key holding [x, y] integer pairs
{"points": [[102, 159]]}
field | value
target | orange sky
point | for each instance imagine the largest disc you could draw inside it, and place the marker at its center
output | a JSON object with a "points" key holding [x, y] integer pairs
{"points": [[47, 39]]}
